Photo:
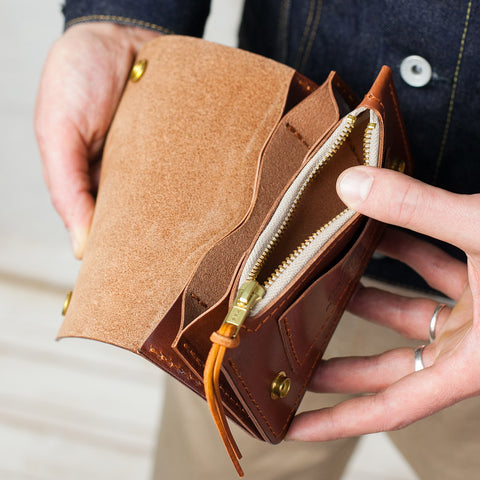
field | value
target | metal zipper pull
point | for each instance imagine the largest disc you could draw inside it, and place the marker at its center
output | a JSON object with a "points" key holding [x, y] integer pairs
{"points": [[248, 295]]}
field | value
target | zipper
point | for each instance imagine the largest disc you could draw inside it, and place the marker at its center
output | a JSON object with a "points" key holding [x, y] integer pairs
{"points": [[249, 294], [367, 141], [251, 291]]}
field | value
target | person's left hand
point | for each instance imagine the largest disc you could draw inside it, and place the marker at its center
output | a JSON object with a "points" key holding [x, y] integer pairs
{"points": [[398, 396]]}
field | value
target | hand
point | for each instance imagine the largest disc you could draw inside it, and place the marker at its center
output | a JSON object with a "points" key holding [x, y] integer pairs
{"points": [[398, 395], [81, 85]]}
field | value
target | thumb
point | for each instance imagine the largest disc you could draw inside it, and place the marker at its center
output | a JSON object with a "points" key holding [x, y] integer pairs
{"points": [[397, 199]]}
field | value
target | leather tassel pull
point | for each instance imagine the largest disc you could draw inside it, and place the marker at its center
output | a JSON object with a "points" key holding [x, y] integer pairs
{"points": [[247, 297], [222, 339]]}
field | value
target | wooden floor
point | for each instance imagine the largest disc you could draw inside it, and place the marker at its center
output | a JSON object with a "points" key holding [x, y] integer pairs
{"points": [[72, 409]]}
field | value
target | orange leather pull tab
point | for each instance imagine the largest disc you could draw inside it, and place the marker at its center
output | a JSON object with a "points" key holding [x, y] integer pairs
{"points": [[222, 339]]}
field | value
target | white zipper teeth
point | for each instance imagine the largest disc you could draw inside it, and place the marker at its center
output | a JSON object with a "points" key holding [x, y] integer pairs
{"points": [[295, 254], [367, 140], [338, 142]]}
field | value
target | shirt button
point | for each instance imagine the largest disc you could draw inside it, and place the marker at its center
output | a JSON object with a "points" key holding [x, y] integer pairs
{"points": [[415, 71]]}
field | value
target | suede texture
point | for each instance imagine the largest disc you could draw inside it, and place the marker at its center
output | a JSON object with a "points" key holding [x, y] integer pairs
{"points": [[178, 175]]}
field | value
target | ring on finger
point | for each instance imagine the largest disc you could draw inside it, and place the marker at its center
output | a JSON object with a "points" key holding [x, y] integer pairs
{"points": [[433, 321], [418, 358]]}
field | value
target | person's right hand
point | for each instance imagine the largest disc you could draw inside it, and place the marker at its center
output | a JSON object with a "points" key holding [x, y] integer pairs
{"points": [[81, 85]]}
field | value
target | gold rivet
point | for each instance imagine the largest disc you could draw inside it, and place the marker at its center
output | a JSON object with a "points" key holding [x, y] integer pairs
{"points": [[280, 386], [66, 303], [398, 164], [138, 70]]}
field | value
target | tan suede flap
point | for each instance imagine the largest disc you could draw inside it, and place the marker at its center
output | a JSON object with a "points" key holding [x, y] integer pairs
{"points": [[178, 175]]}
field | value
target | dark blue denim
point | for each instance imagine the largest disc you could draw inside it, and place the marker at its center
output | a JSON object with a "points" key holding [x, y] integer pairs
{"points": [[355, 38], [183, 17]]}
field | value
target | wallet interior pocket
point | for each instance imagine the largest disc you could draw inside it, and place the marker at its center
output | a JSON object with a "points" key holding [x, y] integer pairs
{"points": [[310, 212]]}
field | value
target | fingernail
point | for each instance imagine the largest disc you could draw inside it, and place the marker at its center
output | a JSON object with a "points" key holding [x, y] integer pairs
{"points": [[78, 238], [293, 436], [290, 437], [74, 242], [354, 186]]}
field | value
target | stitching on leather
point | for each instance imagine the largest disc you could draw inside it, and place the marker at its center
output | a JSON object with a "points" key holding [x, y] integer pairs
{"points": [[195, 297], [290, 340], [201, 364], [307, 377], [293, 130], [189, 349], [452, 95], [319, 333], [115, 18], [295, 404], [248, 329], [304, 84], [300, 393], [179, 370], [237, 373], [325, 324], [287, 298], [340, 86], [371, 95]]}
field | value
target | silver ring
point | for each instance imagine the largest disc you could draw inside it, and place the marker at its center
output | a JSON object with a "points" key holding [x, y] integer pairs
{"points": [[433, 321], [418, 358]]}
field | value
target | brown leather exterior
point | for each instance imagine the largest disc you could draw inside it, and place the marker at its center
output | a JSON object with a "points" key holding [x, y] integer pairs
{"points": [[200, 152], [178, 174], [290, 144], [294, 332]]}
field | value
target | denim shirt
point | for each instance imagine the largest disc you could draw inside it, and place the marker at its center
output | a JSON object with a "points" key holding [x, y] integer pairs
{"points": [[356, 38]]}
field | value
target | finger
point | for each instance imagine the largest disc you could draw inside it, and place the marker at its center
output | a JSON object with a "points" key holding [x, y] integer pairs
{"points": [[441, 271], [410, 317], [355, 375], [397, 199], [67, 174], [413, 397]]}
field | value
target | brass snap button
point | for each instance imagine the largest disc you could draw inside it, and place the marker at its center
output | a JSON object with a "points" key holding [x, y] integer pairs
{"points": [[66, 303], [280, 386], [138, 70], [398, 164]]}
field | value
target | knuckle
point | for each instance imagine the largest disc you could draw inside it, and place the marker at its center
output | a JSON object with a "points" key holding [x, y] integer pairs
{"points": [[407, 206], [397, 424]]}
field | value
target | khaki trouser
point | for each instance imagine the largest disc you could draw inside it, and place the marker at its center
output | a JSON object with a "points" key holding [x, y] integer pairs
{"points": [[445, 446]]}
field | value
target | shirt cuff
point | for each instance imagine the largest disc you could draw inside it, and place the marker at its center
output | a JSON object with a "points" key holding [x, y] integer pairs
{"points": [[182, 17]]}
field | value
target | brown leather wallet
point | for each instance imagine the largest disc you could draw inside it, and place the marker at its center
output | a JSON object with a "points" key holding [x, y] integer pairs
{"points": [[219, 248]]}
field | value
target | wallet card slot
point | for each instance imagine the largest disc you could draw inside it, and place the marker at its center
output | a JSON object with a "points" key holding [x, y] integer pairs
{"points": [[283, 149], [322, 301], [310, 212]]}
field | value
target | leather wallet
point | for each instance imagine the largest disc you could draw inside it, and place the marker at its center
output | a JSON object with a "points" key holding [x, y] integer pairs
{"points": [[219, 248]]}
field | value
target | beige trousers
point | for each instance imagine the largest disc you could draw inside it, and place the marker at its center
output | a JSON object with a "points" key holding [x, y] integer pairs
{"points": [[445, 446]]}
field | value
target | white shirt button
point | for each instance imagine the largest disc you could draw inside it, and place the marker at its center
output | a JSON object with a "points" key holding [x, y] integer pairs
{"points": [[415, 71]]}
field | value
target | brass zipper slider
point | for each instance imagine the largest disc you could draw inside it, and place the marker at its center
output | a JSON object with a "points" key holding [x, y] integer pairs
{"points": [[248, 295]]}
